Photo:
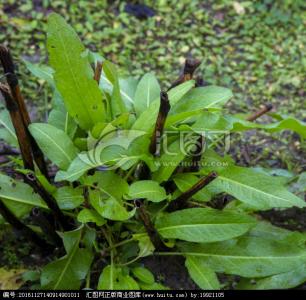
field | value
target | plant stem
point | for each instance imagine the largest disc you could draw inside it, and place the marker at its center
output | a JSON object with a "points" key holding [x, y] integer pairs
{"points": [[22, 137], [16, 96], [130, 262], [189, 69], [119, 244], [168, 253], [46, 226], [25, 149], [18, 225], [160, 122], [98, 71], [31, 179], [260, 112], [88, 280], [152, 232], [196, 157], [181, 201]]}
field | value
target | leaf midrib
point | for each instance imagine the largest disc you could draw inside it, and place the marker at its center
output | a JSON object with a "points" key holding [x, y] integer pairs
{"points": [[20, 200], [57, 145], [200, 225], [70, 256], [73, 77], [160, 193], [121, 91], [8, 129], [253, 188], [199, 272], [241, 257]]}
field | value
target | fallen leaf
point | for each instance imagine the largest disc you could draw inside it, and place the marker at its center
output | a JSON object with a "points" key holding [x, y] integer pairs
{"points": [[11, 279]]}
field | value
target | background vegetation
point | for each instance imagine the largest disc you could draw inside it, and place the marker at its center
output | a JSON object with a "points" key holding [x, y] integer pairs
{"points": [[256, 48]]}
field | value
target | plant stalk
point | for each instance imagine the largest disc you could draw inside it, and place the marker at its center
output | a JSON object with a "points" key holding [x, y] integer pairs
{"points": [[190, 66], [25, 149], [32, 180], [181, 201], [22, 136], [152, 232], [160, 123], [46, 226], [16, 96], [98, 71], [21, 227], [260, 112]]}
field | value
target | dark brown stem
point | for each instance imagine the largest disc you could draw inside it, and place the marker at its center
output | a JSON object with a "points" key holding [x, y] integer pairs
{"points": [[189, 69], [22, 137], [46, 226], [181, 201], [98, 71], [196, 155], [196, 158], [260, 112], [31, 179], [18, 225], [16, 96], [152, 232], [159, 125], [25, 149], [86, 197], [28, 146]]}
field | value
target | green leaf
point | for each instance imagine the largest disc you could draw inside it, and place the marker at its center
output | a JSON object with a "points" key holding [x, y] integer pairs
{"points": [[89, 215], [117, 104], [268, 231], [147, 119], [145, 245], [61, 120], [68, 197], [201, 274], [104, 181], [203, 225], [147, 91], [108, 278], [256, 189], [143, 275], [92, 159], [68, 271], [147, 189], [18, 196], [288, 123], [7, 131], [126, 282], [73, 74], [185, 181], [109, 208], [54, 143], [248, 257], [112, 151], [285, 280], [202, 97], [112, 278], [211, 121], [41, 71], [127, 88]]}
